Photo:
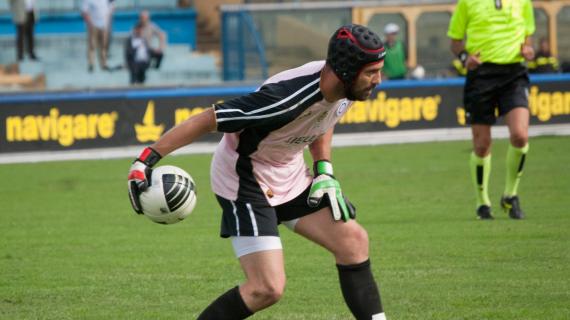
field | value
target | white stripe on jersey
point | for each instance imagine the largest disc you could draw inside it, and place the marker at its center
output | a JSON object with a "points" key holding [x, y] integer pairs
{"points": [[271, 114], [253, 221], [273, 105], [235, 215]]}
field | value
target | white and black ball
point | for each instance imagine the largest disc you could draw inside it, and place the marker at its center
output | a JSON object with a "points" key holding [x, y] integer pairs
{"points": [[171, 196]]}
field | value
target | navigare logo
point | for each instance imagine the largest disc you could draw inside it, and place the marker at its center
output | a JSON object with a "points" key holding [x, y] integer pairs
{"points": [[63, 128], [148, 130]]}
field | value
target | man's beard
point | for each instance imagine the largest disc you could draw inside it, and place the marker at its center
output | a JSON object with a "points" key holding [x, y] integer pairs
{"points": [[353, 95]]}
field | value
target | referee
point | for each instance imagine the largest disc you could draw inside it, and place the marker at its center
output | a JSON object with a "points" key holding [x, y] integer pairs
{"points": [[497, 41]]}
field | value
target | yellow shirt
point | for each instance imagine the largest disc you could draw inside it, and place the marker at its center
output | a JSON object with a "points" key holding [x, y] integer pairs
{"points": [[496, 29]]}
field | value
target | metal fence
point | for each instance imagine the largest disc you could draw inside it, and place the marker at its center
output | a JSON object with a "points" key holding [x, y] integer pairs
{"points": [[290, 33]]}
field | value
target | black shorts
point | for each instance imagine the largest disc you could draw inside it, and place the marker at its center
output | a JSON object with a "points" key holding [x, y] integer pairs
{"points": [[494, 87], [248, 219]]}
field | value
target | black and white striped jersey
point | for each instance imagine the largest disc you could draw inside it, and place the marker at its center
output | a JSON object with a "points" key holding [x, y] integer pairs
{"points": [[260, 157]]}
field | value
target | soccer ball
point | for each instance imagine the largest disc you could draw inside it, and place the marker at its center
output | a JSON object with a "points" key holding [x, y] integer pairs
{"points": [[171, 196]]}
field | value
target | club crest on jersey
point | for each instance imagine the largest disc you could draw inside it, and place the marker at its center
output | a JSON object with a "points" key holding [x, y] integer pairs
{"points": [[341, 108]]}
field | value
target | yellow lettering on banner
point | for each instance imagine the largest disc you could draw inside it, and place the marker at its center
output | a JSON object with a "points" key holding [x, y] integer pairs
{"points": [[92, 126], [348, 116], [360, 114], [418, 107], [66, 129], [544, 113], [54, 115], [12, 126], [374, 111], [106, 127], [182, 114], [380, 101], [30, 129], [148, 130], [393, 111], [430, 107], [44, 127], [80, 127], [460, 115], [557, 103], [545, 105], [393, 119], [406, 112]]}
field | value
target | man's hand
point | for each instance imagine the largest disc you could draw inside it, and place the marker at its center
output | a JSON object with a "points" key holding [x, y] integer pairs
{"points": [[139, 176], [325, 183], [527, 51], [473, 61]]}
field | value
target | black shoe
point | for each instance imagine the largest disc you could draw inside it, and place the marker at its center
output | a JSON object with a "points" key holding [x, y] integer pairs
{"points": [[90, 69], [512, 206], [484, 213]]}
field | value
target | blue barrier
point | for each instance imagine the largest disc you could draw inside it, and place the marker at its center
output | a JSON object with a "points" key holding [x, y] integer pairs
{"points": [[155, 93], [179, 24], [52, 121]]}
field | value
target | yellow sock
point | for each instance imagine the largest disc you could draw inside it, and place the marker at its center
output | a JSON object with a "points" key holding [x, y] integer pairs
{"points": [[480, 172]]}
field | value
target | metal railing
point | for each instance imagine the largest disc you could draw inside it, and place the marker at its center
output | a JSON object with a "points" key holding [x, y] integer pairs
{"points": [[423, 24]]}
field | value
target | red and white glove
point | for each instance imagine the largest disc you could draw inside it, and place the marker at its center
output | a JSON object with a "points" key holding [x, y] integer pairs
{"points": [[139, 176]]}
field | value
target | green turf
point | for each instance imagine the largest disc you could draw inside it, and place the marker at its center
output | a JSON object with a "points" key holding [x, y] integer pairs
{"points": [[71, 248]]}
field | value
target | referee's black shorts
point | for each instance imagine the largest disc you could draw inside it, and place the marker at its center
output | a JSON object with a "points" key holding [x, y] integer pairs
{"points": [[247, 219], [493, 90]]}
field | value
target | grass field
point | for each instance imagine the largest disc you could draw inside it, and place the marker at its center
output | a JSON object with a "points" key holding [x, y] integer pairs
{"points": [[71, 248]]}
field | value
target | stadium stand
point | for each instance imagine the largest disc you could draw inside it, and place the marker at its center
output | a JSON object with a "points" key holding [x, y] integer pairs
{"points": [[61, 45]]}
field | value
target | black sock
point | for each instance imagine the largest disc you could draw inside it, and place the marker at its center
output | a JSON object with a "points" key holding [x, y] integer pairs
{"points": [[228, 306], [359, 290]]}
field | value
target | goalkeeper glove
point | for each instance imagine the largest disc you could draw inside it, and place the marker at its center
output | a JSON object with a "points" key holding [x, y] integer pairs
{"points": [[139, 176], [324, 183]]}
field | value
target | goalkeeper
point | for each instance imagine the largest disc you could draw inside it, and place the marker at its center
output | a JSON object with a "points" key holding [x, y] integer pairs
{"points": [[260, 178]]}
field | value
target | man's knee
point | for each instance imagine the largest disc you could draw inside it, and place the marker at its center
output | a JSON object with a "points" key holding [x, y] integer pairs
{"points": [[269, 292], [519, 139], [481, 141], [353, 246], [482, 146], [482, 150]]}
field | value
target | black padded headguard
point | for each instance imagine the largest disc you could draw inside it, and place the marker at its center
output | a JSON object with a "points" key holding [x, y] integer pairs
{"points": [[351, 48]]}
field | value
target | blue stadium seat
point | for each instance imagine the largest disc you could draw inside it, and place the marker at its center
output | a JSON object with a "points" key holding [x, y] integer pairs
{"points": [[57, 5], [156, 3], [125, 4]]}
